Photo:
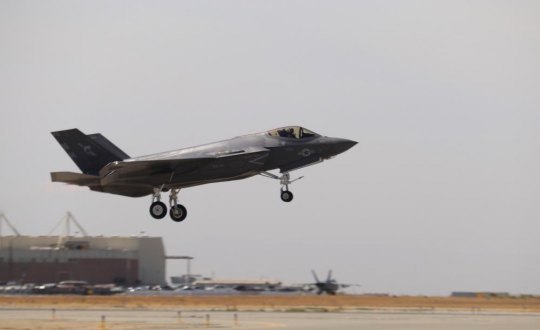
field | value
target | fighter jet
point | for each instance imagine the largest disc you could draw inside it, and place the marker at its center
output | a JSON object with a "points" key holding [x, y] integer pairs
{"points": [[106, 168], [330, 286]]}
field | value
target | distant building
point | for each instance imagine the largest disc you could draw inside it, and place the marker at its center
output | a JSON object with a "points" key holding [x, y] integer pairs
{"points": [[470, 294], [208, 282], [465, 294], [235, 283], [187, 279], [95, 259]]}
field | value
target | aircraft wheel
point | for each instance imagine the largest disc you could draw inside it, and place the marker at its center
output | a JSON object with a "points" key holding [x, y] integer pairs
{"points": [[158, 210], [178, 213], [286, 196]]}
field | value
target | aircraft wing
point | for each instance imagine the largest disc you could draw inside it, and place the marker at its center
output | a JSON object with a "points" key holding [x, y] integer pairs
{"points": [[136, 178], [150, 169], [191, 171], [348, 285]]}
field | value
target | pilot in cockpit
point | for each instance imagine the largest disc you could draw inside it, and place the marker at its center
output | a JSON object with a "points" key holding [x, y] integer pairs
{"points": [[291, 133], [288, 133]]}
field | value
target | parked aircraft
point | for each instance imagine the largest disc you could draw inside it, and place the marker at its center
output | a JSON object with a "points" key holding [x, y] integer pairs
{"points": [[106, 168], [330, 286]]}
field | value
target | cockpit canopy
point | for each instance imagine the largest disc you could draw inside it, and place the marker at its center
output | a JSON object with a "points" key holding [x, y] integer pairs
{"points": [[293, 132]]}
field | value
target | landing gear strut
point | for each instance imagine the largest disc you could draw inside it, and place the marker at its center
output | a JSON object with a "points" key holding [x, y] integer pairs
{"points": [[158, 209], [178, 212], [285, 181]]}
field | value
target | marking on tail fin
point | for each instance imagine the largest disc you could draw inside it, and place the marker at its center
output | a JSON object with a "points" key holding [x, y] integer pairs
{"points": [[90, 154], [87, 150]]}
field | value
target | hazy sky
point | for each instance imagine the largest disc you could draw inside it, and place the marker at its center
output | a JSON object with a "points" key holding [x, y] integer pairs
{"points": [[442, 192]]}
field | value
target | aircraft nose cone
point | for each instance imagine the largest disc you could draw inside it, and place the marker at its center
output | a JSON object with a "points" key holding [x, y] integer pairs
{"points": [[346, 144], [342, 145], [336, 146]]}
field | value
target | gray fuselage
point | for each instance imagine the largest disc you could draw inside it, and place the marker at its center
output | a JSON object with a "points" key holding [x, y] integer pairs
{"points": [[274, 152]]}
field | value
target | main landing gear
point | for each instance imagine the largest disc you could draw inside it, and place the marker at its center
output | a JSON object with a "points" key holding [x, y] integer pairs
{"points": [[284, 180], [158, 209]]}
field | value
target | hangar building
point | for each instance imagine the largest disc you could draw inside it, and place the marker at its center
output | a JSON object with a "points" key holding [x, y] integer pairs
{"points": [[96, 259]]}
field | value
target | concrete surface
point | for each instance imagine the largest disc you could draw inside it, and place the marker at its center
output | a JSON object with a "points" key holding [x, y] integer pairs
{"points": [[15, 319]]}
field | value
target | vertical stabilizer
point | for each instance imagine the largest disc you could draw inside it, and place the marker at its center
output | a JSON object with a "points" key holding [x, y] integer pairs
{"points": [[105, 143], [89, 155]]}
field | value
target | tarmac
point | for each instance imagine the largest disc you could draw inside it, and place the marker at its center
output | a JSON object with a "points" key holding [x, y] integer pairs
{"points": [[48, 318]]}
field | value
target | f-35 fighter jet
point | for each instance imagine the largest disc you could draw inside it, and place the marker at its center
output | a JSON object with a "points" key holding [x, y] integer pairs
{"points": [[106, 168]]}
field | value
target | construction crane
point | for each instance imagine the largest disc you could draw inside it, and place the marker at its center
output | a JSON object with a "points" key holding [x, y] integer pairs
{"points": [[66, 221], [5, 220]]}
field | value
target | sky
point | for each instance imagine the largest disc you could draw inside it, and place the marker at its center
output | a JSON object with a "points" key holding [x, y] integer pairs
{"points": [[441, 193]]}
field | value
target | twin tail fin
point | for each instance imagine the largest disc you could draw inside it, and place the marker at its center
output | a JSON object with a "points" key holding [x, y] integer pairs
{"points": [[90, 152]]}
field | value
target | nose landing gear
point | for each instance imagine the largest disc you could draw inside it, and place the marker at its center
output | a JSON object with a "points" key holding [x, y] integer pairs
{"points": [[284, 180], [158, 209], [286, 196]]}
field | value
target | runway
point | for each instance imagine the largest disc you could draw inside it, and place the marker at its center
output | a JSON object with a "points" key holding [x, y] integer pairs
{"points": [[45, 319]]}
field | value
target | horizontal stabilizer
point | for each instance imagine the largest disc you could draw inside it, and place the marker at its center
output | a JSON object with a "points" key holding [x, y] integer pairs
{"points": [[75, 178]]}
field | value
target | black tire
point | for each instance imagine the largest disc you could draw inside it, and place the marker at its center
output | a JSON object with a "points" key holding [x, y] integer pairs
{"points": [[286, 196], [158, 210], [178, 213]]}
